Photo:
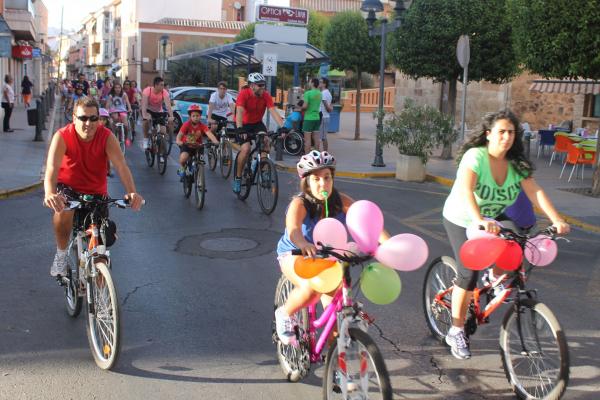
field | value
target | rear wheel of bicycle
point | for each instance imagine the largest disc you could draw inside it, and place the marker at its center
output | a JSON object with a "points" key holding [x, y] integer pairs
{"points": [[104, 325], [293, 143], [200, 186], [440, 276], [161, 156], [267, 187], [212, 158], [72, 289], [293, 359], [365, 371], [534, 351], [226, 159], [246, 183]]}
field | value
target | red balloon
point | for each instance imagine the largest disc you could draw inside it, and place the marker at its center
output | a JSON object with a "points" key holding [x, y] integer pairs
{"points": [[480, 253], [511, 258]]}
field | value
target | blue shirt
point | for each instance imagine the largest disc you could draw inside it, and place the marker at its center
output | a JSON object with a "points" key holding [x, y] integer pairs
{"points": [[285, 244], [294, 117]]}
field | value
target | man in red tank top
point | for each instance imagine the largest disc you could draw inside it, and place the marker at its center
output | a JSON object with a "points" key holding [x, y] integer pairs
{"points": [[77, 162]]}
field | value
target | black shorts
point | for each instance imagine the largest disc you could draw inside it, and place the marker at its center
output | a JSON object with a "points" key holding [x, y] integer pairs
{"points": [[251, 130], [158, 117], [184, 148]]}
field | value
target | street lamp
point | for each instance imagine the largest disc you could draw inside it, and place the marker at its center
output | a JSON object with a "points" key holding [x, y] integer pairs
{"points": [[371, 7], [164, 39]]}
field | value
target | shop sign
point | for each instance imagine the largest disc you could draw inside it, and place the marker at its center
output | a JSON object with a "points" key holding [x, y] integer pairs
{"points": [[22, 52], [298, 16]]}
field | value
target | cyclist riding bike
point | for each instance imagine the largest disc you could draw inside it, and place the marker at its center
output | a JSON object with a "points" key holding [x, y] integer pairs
{"points": [[133, 101], [220, 106], [77, 164], [78, 94], [191, 136], [154, 100], [118, 106], [316, 171], [492, 172], [251, 105]]}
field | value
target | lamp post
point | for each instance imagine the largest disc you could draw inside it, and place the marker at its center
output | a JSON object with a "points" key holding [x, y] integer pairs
{"points": [[164, 39], [371, 7]]}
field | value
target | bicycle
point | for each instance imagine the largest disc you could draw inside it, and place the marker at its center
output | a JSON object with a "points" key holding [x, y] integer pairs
{"points": [[194, 176], [293, 142], [530, 333], [158, 145], [131, 121], [88, 276], [266, 181], [119, 131], [354, 365], [223, 152]]}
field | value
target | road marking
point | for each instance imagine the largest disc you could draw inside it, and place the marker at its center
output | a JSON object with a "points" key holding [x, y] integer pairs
{"points": [[418, 223], [360, 182]]}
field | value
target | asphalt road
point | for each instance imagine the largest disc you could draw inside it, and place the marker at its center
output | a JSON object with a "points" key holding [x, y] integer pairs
{"points": [[197, 316]]}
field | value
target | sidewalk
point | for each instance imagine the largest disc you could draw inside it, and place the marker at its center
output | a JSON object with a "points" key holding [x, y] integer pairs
{"points": [[22, 160], [354, 159]]}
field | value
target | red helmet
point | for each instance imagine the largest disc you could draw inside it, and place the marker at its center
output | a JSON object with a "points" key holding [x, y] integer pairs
{"points": [[194, 107]]}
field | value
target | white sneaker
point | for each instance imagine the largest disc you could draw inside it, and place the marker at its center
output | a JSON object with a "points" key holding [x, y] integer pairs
{"points": [[59, 266], [285, 325], [146, 143]]}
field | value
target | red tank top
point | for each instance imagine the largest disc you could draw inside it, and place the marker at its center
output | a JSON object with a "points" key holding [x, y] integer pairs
{"points": [[84, 165]]}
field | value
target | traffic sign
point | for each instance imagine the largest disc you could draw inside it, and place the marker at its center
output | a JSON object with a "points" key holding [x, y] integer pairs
{"points": [[281, 34], [297, 16], [270, 65], [463, 51], [285, 52]]}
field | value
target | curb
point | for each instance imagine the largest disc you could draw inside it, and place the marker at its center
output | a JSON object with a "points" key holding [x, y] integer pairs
{"points": [[347, 174], [5, 194]]}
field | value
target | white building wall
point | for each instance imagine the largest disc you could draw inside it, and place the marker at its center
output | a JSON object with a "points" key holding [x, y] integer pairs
{"points": [[192, 9]]}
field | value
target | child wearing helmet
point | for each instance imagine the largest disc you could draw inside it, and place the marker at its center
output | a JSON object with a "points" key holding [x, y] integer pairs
{"points": [[316, 171], [190, 136]]}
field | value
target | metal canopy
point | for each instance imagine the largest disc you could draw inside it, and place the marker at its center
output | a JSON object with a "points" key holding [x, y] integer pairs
{"points": [[241, 54], [585, 86]]}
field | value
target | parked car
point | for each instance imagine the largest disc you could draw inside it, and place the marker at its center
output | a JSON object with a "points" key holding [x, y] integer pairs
{"points": [[184, 97]]}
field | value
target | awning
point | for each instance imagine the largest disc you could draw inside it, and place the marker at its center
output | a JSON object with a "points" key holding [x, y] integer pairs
{"points": [[586, 86], [240, 54]]}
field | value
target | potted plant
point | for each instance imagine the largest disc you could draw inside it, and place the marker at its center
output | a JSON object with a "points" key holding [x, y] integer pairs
{"points": [[416, 131]]}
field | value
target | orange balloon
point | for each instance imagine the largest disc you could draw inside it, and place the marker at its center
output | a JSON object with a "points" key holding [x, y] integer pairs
{"points": [[310, 267]]}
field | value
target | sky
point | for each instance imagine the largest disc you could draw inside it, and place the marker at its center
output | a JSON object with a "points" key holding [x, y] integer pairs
{"points": [[75, 11]]}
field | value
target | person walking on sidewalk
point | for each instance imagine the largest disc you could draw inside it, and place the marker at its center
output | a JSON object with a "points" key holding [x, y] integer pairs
{"points": [[8, 102], [26, 86], [311, 107], [326, 108]]}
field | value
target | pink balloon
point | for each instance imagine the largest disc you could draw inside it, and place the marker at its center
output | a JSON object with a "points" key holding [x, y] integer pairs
{"points": [[473, 231], [404, 252], [365, 223], [541, 251], [330, 232]]}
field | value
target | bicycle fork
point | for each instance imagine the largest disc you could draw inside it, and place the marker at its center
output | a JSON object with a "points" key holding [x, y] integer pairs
{"points": [[344, 344]]}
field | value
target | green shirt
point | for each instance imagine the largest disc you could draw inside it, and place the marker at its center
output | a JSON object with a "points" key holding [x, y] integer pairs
{"points": [[313, 99], [491, 198]]}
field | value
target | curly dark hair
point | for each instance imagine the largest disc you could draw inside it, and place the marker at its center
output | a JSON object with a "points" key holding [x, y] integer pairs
{"points": [[515, 155]]}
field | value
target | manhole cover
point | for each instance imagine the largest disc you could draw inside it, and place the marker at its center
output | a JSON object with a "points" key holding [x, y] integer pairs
{"points": [[229, 244]]}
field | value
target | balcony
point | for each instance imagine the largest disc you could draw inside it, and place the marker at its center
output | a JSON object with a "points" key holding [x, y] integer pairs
{"points": [[20, 17]]}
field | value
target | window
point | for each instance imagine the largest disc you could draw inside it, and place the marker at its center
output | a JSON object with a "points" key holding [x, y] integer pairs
{"points": [[106, 22], [596, 111], [95, 49], [591, 106], [168, 49], [106, 49], [197, 96]]}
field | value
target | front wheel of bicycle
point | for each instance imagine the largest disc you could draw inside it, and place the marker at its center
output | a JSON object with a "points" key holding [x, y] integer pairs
{"points": [[103, 325], [293, 143], [293, 359], [200, 186], [246, 179], [150, 154], [121, 131], [363, 367], [188, 183], [226, 159], [439, 277], [212, 158], [161, 156], [534, 351], [267, 187], [74, 301], [169, 139]]}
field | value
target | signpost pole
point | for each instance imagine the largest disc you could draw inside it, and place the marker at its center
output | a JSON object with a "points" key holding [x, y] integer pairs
{"points": [[463, 54]]}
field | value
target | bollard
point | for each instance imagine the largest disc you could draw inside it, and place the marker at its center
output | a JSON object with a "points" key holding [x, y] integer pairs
{"points": [[43, 113], [279, 149], [527, 144], [47, 104], [38, 126]]}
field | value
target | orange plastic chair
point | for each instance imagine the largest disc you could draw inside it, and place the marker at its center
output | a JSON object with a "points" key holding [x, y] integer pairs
{"points": [[561, 145], [578, 156]]}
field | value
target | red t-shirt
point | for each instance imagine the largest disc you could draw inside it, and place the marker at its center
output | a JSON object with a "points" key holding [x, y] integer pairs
{"points": [[84, 165], [254, 106], [131, 96], [193, 134]]}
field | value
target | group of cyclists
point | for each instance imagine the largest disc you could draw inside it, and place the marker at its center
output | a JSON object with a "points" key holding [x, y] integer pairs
{"points": [[493, 171]]}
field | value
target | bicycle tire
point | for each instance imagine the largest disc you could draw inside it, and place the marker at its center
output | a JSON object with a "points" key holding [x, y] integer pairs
{"points": [[161, 156], [370, 349], [440, 275], [212, 158], [512, 334], [246, 183], [169, 139], [188, 183], [150, 153], [74, 301], [199, 186], [105, 345], [122, 140], [294, 360], [226, 159], [267, 188], [293, 143]]}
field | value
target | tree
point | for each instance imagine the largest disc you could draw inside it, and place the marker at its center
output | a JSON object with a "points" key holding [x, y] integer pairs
{"points": [[317, 23], [349, 46], [558, 41], [246, 33], [425, 45], [193, 71]]}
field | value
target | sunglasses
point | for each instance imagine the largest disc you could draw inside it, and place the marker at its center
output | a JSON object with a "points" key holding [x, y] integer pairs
{"points": [[260, 84], [85, 118]]}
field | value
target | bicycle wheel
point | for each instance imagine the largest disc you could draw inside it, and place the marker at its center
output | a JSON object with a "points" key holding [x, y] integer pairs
{"points": [[226, 159], [169, 139], [440, 276], [199, 184], [364, 368], [294, 360], [72, 297], [212, 158], [161, 156], [187, 182], [293, 143], [121, 131], [246, 179], [534, 351], [104, 325], [150, 153], [267, 187]]}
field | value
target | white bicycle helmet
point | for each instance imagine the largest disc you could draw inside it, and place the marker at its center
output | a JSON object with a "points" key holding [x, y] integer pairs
{"points": [[314, 161], [256, 77]]}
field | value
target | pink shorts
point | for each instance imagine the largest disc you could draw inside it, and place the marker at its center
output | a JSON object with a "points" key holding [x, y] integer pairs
{"points": [[121, 113]]}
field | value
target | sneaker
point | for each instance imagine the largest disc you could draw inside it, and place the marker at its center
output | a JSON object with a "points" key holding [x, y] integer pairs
{"points": [[459, 344], [59, 266], [284, 325], [237, 185], [146, 143]]}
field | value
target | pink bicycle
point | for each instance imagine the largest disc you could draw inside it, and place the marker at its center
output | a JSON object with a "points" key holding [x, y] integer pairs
{"points": [[354, 366]]}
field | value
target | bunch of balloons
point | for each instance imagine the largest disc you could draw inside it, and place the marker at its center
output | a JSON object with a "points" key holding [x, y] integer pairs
{"points": [[379, 282]]}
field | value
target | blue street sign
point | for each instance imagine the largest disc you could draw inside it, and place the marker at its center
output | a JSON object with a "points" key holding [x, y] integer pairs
{"points": [[37, 53]]}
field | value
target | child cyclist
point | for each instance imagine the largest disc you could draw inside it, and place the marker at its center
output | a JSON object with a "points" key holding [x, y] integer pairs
{"points": [[317, 198], [190, 136]]}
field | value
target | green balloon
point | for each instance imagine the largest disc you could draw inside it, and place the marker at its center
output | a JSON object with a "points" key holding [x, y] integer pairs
{"points": [[380, 284]]}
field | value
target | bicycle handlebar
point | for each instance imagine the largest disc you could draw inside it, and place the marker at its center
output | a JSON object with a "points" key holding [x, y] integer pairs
{"points": [[509, 234], [87, 200], [343, 255]]}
